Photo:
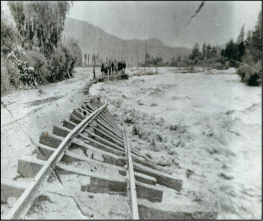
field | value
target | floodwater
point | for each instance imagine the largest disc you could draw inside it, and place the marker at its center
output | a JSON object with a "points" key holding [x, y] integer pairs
{"points": [[206, 129]]}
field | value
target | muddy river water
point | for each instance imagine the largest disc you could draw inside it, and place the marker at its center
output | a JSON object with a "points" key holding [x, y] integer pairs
{"points": [[204, 127]]}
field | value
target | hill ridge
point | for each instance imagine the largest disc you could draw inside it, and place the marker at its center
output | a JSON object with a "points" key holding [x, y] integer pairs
{"points": [[93, 39]]}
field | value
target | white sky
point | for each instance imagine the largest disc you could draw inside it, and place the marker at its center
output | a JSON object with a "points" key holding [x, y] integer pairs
{"points": [[216, 23], [246, 12]]}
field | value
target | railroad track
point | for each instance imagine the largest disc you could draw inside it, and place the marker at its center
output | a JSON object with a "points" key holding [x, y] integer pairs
{"points": [[90, 164]]}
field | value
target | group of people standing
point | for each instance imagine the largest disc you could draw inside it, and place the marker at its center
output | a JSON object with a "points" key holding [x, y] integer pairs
{"points": [[110, 68]]}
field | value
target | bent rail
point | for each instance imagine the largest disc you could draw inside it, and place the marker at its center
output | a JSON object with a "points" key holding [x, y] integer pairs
{"points": [[23, 204], [135, 211]]}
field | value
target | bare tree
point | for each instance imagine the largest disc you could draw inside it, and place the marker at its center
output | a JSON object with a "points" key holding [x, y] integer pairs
{"points": [[93, 57], [88, 58], [85, 57], [97, 58]]}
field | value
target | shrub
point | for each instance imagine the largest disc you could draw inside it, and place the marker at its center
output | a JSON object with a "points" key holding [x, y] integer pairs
{"points": [[70, 61], [226, 66], [241, 71], [56, 65], [249, 75], [62, 62], [41, 67], [5, 84], [77, 53], [14, 73], [254, 79], [10, 75], [218, 66], [72, 45], [59, 65], [37, 60]]}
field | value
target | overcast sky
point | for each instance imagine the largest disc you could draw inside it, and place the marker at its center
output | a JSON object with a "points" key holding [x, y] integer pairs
{"points": [[216, 22]]}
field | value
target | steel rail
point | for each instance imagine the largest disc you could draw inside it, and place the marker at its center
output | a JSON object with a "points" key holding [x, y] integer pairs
{"points": [[135, 211], [21, 207]]}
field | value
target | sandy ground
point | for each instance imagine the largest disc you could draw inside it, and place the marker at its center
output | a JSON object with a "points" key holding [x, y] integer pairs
{"points": [[203, 127]]}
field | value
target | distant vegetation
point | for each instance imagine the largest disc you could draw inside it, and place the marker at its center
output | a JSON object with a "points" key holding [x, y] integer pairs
{"points": [[149, 60], [245, 54], [36, 43]]}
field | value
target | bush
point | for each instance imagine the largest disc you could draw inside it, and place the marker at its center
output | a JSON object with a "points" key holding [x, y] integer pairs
{"points": [[59, 66], [254, 79], [72, 45], [70, 61], [226, 66], [57, 63], [5, 84], [218, 66], [77, 53], [37, 60], [63, 60], [41, 67], [14, 73], [10, 75], [249, 75]]}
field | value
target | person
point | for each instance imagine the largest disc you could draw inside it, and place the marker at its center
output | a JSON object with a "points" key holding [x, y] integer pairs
{"points": [[102, 68], [106, 69], [32, 74], [124, 66], [116, 67], [112, 67], [109, 67], [94, 77], [119, 66]]}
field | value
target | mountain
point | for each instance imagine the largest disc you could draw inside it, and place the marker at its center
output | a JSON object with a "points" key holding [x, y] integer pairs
{"points": [[93, 39]]}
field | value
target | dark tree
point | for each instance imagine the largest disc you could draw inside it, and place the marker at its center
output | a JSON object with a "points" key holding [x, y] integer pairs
{"points": [[241, 45], [204, 51], [195, 53], [257, 39]]}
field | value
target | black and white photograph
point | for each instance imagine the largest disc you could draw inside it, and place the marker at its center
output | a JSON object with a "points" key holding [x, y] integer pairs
{"points": [[131, 110]]}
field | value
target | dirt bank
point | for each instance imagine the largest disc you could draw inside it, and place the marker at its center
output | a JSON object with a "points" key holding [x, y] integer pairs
{"points": [[203, 127]]}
